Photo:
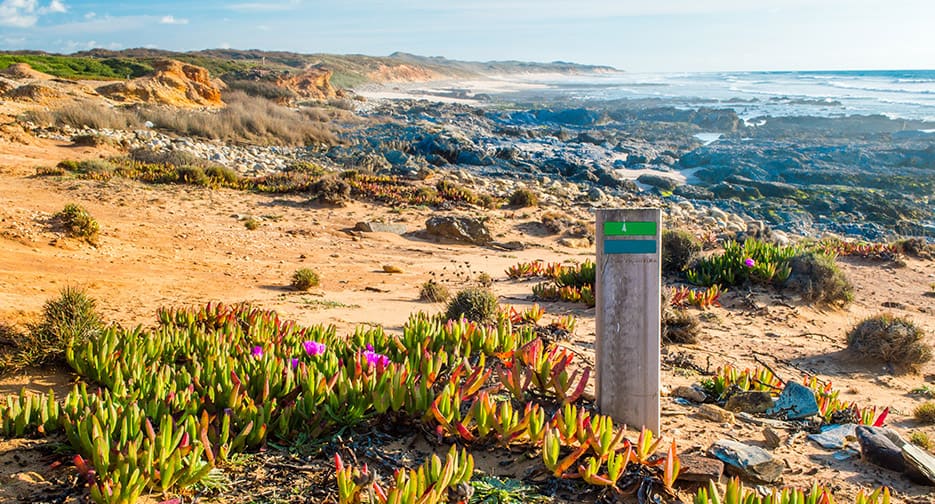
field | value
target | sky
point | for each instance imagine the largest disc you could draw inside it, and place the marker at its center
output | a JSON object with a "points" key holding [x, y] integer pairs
{"points": [[639, 36]]}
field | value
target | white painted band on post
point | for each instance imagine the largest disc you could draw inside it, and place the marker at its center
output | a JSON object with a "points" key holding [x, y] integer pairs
{"points": [[628, 302]]}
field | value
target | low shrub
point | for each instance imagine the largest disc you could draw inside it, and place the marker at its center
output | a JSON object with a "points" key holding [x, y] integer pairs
{"points": [[95, 169], [679, 248], [457, 193], [251, 224], [165, 156], [915, 247], [67, 321], [925, 412], [331, 191], [91, 140], [304, 279], [434, 292], [222, 174], [890, 339], [524, 198], [921, 439], [818, 279], [679, 326], [474, 303], [487, 201], [78, 223], [484, 279], [192, 175]]}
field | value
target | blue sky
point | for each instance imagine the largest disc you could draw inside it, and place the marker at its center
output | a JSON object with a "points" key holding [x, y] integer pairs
{"points": [[644, 35]]}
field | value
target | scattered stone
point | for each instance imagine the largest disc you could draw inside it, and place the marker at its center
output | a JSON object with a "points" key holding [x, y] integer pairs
{"points": [[510, 245], [380, 227], [466, 229], [753, 401], [575, 242], [773, 439], [834, 436], [920, 465], [796, 402], [690, 393], [878, 449], [697, 468], [750, 461], [776, 424], [715, 413], [390, 268]]}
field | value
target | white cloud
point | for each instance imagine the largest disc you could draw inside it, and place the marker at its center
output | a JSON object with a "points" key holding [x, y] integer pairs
{"points": [[55, 7], [90, 15], [224, 45], [171, 20], [25, 13]]}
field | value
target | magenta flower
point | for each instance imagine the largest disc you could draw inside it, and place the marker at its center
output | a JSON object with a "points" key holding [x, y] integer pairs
{"points": [[313, 348], [257, 351], [295, 363], [374, 358], [749, 262]]}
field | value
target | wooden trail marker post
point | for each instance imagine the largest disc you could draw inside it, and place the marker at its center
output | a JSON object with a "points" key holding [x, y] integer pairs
{"points": [[628, 304]]}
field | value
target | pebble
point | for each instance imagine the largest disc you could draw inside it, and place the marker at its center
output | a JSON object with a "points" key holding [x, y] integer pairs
{"points": [[716, 414]]}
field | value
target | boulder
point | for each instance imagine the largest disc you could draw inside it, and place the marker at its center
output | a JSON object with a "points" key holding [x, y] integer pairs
{"points": [[750, 461], [458, 228], [879, 449]]}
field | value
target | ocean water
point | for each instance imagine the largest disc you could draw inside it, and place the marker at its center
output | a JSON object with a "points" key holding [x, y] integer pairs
{"points": [[907, 94]]}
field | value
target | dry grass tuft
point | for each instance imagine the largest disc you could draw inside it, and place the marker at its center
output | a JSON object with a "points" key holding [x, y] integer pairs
{"points": [[890, 339]]}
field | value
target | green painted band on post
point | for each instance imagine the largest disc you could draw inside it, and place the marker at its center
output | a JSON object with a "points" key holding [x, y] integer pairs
{"points": [[629, 246], [630, 228]]}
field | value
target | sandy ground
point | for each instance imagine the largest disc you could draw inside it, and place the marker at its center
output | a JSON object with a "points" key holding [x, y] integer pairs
{"points": [[173, 245]]}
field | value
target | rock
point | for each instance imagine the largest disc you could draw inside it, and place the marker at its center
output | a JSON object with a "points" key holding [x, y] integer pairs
{"points": [[391, 268], [834, 436], [173, 83], [575, 242], [690, 393], [715, 413], [754, 401], [796, 402], [877, 448], [696, 468], [658, 181], [920, 464], [380, 227], [510, 245], [465, 229], [773, 439], [750, 461]]}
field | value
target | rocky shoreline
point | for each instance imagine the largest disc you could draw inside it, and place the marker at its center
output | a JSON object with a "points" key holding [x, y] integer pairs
{"points": [[869, 178]]}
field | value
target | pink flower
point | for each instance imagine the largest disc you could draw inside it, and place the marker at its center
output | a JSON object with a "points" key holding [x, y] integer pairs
{"points": [[749, 262], [257, 351], [374, 358], [295, 363], [313, 348]]}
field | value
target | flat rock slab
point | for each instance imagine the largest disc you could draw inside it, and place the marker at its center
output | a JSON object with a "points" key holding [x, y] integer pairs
{"points": [[796, 402], [920, 464], [380, 227], [834, 436], [754, 401], [750, 461], [697, 468], [878, 449]]}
